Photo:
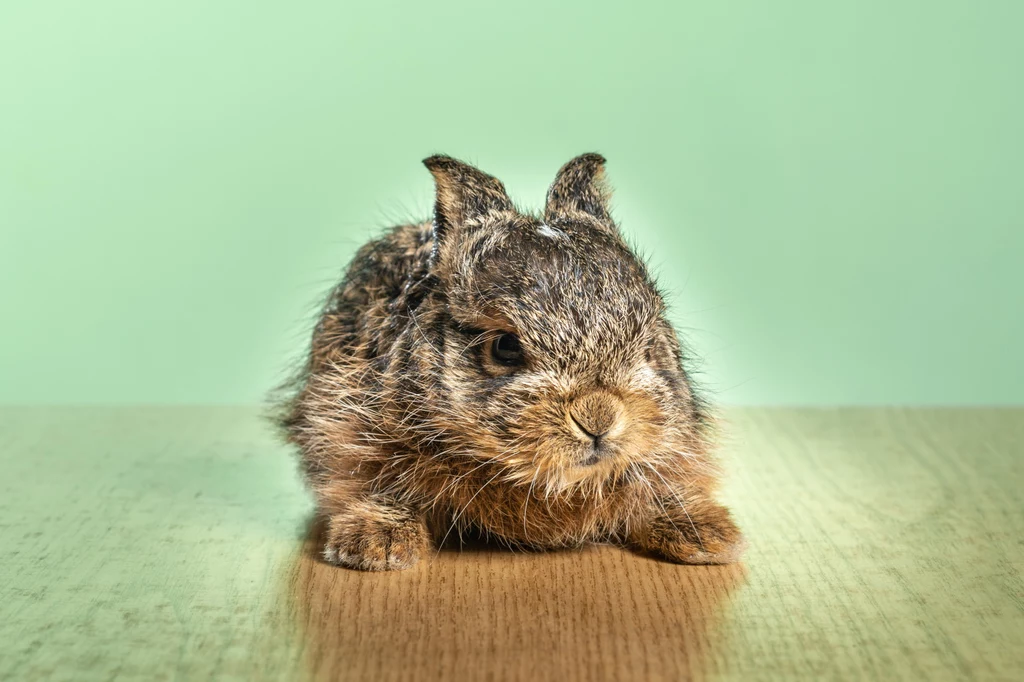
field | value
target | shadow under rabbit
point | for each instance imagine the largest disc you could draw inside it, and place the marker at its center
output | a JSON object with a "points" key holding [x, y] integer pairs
{"points": [[476, 609]]}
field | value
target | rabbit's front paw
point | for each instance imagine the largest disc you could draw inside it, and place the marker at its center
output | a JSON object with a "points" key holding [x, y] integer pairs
{"points": [[371, 541], [704, 536]]}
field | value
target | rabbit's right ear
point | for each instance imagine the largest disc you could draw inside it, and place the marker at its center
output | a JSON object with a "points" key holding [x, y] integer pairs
{"points": [[579, 189], [464, 193]]}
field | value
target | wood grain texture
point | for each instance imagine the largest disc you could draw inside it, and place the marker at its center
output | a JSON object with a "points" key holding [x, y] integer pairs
{"points": [[175, 544]]}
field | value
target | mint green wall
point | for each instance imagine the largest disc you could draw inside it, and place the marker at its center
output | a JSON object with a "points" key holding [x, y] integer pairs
{"points": [[832, 190]]}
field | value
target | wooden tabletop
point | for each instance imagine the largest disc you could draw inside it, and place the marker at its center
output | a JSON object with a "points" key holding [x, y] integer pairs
{"points": [[175, 544]]}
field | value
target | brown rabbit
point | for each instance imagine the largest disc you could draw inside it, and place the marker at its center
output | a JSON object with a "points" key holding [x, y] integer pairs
{"points": [[512, 375]]}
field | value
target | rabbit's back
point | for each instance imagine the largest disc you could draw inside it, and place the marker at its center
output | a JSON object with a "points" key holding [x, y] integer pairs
{"points": [[359, 320]]}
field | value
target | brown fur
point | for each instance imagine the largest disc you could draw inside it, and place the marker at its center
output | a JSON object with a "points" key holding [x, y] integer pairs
{"points": [[411, 428]]}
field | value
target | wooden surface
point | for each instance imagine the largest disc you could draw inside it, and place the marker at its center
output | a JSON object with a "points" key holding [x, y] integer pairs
{"points": [[173, 544]]}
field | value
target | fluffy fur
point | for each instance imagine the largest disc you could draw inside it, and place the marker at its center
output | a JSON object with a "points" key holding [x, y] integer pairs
{"points": [[412, 428]]}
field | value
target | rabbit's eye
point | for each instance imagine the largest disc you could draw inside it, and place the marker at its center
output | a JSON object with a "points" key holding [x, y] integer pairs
{"points": [[506, 350]]}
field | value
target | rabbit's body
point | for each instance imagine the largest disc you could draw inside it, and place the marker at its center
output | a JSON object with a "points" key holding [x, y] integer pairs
{"points": [[508, 374]]}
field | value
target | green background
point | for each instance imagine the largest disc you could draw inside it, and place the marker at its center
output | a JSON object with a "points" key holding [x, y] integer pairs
{"points": [[832, 191]]}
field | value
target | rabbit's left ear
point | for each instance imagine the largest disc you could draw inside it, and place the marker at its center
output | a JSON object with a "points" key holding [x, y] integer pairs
{"points": [[464, 193], [579, 190]]}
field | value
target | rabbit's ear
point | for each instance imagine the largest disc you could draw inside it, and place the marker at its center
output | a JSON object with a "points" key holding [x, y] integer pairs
{"points": [[579, 188], [463, 194]]}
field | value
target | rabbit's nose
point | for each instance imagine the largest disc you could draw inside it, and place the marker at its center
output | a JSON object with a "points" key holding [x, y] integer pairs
{"points": [[596, 414]]}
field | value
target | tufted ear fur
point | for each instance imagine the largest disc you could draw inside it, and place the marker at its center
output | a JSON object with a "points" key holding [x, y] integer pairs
{"points": [[464, 193], [579, 189]]}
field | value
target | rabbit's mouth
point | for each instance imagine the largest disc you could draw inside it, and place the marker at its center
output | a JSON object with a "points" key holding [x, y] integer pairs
{"points": [[599, 449]]}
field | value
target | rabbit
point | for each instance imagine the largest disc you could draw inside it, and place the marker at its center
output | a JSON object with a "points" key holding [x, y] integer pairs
{"points": [[506, 374]]}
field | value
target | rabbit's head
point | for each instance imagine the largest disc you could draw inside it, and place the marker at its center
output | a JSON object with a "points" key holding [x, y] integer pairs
{"points": [[549, 349]]}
